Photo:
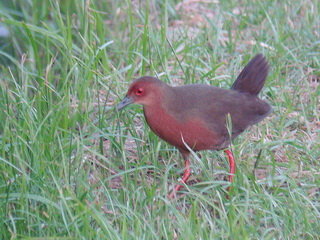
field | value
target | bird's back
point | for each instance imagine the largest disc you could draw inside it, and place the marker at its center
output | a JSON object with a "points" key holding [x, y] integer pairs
{"points": [[212, 105]]}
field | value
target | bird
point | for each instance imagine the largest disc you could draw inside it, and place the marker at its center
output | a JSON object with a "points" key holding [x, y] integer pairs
{"points": [[196, 116]]}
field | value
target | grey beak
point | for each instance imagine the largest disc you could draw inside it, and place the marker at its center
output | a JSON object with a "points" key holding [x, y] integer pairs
{"points": [[125, 102]]}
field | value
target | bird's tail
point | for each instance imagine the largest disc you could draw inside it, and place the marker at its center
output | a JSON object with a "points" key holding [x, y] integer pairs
{"points": [[253, 76]]}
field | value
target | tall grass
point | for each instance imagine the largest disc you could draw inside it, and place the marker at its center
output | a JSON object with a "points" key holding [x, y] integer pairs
{"points": [[71, 170]]}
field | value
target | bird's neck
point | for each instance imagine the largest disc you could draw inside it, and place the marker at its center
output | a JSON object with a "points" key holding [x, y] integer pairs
{"points": [[157, 117]]}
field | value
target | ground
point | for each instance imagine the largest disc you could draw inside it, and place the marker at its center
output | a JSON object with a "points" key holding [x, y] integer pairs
{"points": [[73, 169]]}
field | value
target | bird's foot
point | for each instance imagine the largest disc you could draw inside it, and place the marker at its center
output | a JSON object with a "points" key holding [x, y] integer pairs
{"points": [[186, 175]]}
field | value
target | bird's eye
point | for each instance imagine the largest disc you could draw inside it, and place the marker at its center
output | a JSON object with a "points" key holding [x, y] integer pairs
{"points": [[139, 91]]}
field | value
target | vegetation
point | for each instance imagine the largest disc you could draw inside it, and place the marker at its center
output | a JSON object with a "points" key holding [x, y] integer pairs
{"points": [[69, 169]]}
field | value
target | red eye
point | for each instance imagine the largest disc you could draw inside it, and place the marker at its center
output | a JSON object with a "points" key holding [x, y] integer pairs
{"points": [[139, 91]]}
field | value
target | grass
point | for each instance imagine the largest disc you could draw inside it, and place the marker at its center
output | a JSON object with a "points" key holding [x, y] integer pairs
{"points": [[68, 173]]}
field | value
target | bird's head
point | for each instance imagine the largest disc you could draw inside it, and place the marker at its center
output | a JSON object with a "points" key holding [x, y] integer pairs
{"points": [[145, 91]]}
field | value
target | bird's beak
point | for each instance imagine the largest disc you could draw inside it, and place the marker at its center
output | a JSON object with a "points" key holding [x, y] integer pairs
{"points": [[125, 102]]}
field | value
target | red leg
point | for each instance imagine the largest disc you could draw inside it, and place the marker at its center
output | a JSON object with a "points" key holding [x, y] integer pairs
{"points": [[232, 164], [232, 167], [186, 175]]}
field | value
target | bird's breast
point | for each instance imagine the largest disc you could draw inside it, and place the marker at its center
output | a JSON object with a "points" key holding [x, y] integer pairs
{"points": [[191, 131]]}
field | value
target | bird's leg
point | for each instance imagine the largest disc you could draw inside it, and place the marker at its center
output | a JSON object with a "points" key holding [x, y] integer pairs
{"points": [[232, 166], [186, 175]]}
